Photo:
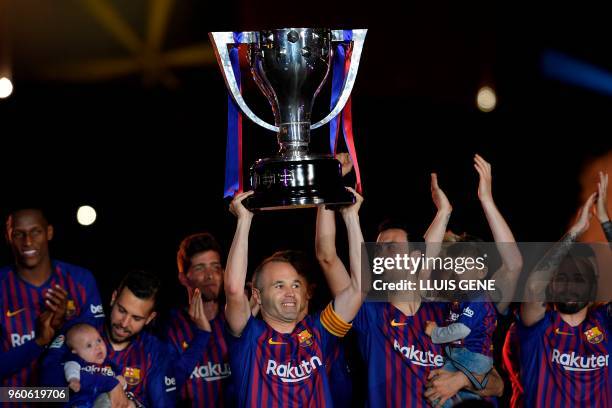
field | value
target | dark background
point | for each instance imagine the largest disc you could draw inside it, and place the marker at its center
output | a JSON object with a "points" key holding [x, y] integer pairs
{"points": [[150, 157]]}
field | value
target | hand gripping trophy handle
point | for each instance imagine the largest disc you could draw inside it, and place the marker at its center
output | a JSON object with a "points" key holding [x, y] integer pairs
{"points": [[221, 40]]}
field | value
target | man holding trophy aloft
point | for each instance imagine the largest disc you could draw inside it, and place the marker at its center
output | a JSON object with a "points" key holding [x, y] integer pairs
{"points": [[284, 358]]}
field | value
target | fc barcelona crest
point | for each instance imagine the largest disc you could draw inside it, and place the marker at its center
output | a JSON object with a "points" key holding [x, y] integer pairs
{"points": [[70, 308], [131, 375], [594, 335], [305, 338]]}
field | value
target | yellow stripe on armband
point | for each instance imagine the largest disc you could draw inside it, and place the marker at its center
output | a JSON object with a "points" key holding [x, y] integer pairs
{"points": [[334, 323]]}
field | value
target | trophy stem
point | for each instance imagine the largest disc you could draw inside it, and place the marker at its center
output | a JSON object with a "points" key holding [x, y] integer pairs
{"points": [[293, 139]]}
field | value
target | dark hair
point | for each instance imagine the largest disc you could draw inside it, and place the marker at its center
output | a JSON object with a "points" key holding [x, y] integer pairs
{"points": [[578, 259], [144, 285], [297, 259], [582, 250], [195, 244], [10, 214], [389, 223]]}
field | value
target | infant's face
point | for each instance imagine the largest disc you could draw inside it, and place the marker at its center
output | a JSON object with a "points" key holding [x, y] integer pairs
{"points": [[90, 347]]}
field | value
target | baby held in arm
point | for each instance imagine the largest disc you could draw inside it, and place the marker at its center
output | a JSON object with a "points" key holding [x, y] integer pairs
{"points": [[468, 342], [88, 372]]}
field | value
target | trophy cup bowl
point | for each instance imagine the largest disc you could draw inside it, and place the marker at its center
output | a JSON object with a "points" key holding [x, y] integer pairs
{"points": [[290, 66]]}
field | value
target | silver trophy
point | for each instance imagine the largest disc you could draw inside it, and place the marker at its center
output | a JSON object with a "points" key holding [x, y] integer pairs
{"points": [[290, 66]]}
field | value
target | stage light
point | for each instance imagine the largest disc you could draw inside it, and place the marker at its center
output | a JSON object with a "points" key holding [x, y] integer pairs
{"points": [[486, 99], [6, 87], [86, 215], [564, 68]]}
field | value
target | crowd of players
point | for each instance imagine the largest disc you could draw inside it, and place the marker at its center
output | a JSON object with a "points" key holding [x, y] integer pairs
{"points": [[255, 342]]}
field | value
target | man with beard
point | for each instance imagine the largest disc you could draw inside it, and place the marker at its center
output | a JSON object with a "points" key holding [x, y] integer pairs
{"points": [[565, 349], [147, 364], [38, 294], [200, 270]]}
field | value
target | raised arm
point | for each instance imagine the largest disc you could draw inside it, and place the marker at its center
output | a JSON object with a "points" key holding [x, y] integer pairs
{"points": [[335, 273], [538, 280], [602, 205], [237, 310], [349, 300], [435, 233], [512, 261], [437, 229]]}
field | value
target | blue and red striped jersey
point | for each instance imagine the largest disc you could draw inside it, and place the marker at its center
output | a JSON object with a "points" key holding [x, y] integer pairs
{"points": [[481, 319], [565, 366], [271, 369], [398, 353], [511, 358], [340, 381], [146, 366], [22, 303], [207, 383]]}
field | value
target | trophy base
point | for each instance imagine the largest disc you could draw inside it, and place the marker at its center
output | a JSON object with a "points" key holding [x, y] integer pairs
{"points": [[308, 182]]}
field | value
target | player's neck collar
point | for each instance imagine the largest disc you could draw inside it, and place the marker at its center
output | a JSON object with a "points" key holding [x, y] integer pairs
{"points": [[408, 308], [37, 276], [575, 319]]}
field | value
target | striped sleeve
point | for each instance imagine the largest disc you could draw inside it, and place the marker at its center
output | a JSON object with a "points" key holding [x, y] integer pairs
{"points": [[334, 323]]}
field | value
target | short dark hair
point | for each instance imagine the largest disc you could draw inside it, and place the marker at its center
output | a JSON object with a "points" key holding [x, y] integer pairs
{"points": [[10, 214], [195, 244], [297, 259], [390, 223], [143, 284]]}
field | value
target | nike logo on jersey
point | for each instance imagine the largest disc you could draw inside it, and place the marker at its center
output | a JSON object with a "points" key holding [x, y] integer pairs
{"points": [[275, 343], [15, 313]]}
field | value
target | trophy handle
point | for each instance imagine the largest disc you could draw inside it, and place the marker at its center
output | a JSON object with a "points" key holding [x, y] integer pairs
{"points": [[220, 42], [358, 40]]}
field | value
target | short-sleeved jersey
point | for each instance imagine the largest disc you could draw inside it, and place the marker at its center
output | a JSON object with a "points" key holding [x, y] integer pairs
{"points": [[21, 303], [565, 366], [398, 353], [481, 319], [271, 369], [206, 384]]}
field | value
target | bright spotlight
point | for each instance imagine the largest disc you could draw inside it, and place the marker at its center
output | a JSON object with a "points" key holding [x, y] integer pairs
{"points": [[86, 215], [486, 99], [6, 87]]}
